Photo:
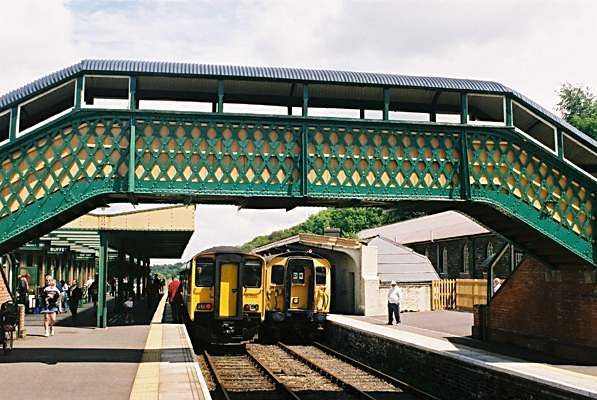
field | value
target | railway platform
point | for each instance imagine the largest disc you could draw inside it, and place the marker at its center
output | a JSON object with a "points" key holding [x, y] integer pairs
{"points": [[419, 343], [146, 359]]}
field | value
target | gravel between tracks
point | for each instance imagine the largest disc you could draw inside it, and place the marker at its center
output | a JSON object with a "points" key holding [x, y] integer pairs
{"points": [[293, 373], [345, 371]]}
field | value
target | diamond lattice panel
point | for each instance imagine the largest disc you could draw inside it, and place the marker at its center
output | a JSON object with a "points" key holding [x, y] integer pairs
{"points": [[512, 171], [80, 153], [208, 156], [383, 163]]}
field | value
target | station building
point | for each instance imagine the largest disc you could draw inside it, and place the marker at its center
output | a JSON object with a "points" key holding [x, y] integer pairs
{"points": [[456, 245]]}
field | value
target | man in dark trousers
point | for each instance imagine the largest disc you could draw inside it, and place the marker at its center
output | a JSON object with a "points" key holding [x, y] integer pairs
{"points": [[394, 297], [175, 299]]}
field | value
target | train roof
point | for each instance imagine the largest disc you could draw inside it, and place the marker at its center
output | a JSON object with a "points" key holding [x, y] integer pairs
{"points": [[225, 249]]}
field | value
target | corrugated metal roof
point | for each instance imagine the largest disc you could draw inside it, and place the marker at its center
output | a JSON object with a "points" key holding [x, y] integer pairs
{"points": [[272, 73], [445, 225], [396, 262], [233, 71]]}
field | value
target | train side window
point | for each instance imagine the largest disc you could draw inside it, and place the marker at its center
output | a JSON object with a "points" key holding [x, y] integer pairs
{"points": [[252, 274], [320, 277], [278, 275], [204, 273]]}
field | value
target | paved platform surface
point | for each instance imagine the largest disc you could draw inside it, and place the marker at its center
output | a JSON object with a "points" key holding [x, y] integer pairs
{"points": [[456, 326], [80, 361], [168, 369], [576, 379]]}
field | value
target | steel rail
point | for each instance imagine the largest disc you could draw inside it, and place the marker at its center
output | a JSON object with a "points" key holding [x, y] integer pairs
{"points": [[326, 372], [281, 386], [216, 375], [375, 372]]}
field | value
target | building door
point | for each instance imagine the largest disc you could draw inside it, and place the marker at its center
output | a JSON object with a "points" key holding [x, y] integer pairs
{"points": [[228, 290]]}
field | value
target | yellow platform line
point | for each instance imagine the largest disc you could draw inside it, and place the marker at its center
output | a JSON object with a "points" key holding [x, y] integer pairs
{"points": [[147, 380]]}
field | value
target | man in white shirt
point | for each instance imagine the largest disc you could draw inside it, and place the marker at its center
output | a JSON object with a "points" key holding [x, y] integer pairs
{"points": [[394, 297]]}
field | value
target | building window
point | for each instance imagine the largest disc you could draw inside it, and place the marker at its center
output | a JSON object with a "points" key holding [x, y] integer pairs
{"points": [[445, 260], [490, 250], [465, 258]]}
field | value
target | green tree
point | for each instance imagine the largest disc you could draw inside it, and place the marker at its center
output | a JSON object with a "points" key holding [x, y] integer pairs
{"points": [[578, 106], [349, 220]]}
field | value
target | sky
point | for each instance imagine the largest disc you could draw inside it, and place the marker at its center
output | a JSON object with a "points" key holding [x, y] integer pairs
{"points": [[531, 46]]}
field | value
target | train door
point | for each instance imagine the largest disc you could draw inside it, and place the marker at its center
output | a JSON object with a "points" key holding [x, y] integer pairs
{"points": [[301, 282], [228, 285]]}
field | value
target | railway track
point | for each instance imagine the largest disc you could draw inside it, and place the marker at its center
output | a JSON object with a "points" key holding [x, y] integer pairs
{"points": [[273, 372]]}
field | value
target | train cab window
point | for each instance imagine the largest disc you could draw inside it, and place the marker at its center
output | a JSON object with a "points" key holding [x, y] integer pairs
{"points": [[320, 277], [252, 274], [204, 273], [278, 275], [298, 275]]}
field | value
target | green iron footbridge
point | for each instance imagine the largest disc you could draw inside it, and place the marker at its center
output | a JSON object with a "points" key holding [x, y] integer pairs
{"points": [[104, 131]]}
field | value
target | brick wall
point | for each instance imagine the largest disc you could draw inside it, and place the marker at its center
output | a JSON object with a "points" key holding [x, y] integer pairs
{"points": [[553, 311], [4, 292]]}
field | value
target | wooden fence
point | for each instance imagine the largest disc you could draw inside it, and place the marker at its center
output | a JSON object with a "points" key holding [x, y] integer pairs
{"points": [[458, 294], [443, 294]]}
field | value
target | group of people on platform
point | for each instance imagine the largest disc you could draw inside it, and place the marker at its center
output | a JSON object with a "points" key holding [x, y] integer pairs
{"points": [[56, 296]]}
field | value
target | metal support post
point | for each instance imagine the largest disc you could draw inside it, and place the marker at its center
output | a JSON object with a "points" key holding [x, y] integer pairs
{"points": [[386, 104], [465, 178], [560, 144], [463, 108], [12, 130], [102, 308], [305, 100], [78, 92], [133, 93], [509, 117], [220, 96]]}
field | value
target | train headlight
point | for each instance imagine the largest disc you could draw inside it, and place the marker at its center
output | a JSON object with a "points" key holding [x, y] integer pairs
{"points": [[295, 300], [251, 307], [204, 307]]}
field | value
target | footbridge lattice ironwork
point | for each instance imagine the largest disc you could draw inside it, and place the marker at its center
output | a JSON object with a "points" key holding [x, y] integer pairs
{"points": [[524, 183]]}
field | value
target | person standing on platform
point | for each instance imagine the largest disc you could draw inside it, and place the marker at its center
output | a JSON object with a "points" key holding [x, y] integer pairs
{"points": [[23, 292], [394, 297], [51, 296], [75, 296], [92, 292], [175, 299]]}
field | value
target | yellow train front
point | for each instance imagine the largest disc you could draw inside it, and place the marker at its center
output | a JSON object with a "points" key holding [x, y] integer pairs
{"points": [[297, 293], [223, 294]]}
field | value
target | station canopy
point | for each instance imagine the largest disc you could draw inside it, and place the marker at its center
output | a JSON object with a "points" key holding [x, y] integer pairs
{"points": [[156, 233]]}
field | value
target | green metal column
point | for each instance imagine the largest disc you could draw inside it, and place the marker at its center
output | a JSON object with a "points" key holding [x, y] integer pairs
{"points": [[304, 136], [463, 108], [12, 130], [509, 117], [102, 308], [78, 92], [220, 96], [560, 144], [465, 178], [305, 100], [133, 93], [386, 104]]}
